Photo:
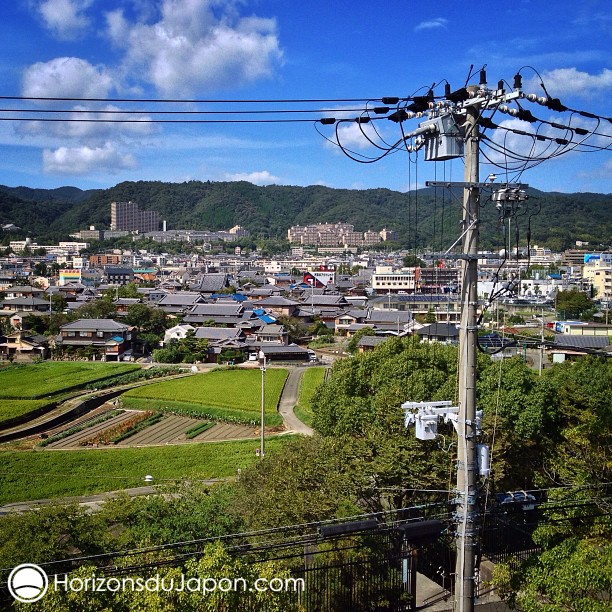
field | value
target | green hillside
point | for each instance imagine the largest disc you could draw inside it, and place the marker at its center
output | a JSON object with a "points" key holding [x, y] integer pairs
{"points": [[422, 218]]}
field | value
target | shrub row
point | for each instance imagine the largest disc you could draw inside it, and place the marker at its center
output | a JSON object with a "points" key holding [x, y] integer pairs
{"points": [[156, 372], [197, 430], [212, 413]]}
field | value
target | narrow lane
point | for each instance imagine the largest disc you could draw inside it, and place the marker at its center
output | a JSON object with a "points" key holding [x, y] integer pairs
{"points": [[289, 399]]}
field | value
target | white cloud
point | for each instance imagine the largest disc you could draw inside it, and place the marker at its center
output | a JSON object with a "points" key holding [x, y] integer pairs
{"points": [[92, 126], [568, 81], [257, 178], [515, 143], [438, 22], [197, 46], [351, 136], [65, 18], [66, 77], [85, 160]]}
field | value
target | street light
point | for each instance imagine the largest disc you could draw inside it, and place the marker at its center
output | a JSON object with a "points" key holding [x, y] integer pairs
{"points": [[262, 367]]}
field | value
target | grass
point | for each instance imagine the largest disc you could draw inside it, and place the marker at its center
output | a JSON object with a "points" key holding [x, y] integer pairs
{"points": [[38, 380], [28, 475], [231, 395], [24, 388], [313, 377], [14, 408]]}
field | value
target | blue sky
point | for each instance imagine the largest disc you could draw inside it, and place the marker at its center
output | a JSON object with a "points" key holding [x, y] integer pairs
{"points": [[281, 49]]}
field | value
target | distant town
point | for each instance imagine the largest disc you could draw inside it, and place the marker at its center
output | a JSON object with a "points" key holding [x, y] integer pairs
{"points": [[329, 284]]}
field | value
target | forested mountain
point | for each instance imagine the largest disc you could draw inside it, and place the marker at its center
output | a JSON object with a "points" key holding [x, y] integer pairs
{"points": [[425, 217]]}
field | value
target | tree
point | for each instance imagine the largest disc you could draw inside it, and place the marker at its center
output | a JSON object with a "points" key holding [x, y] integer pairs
{"points": [[297, 330], [412, 261], [147, 319], [358, 335], [574, 304], [430, 317], [58, 303], [41, 269], [314, 479], [186, 350], [573, 571], [318, 328], [97, 309]]}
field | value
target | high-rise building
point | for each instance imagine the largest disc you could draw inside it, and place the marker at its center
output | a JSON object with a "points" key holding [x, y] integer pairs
{"points": [[127, 216]]}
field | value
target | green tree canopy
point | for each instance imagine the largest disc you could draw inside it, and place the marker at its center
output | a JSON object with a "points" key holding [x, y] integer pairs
{"points": [[574, 304]]}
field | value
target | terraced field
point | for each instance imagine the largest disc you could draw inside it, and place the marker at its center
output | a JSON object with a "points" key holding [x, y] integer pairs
{"points": [[226, 395], [78, 439], [27, 389], [171, 429]]}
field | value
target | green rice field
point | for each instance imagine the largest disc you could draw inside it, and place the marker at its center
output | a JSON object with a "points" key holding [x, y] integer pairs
{"points": [[38, 380], [28, 475], [13, 408], [25, 388], [231, 395]]}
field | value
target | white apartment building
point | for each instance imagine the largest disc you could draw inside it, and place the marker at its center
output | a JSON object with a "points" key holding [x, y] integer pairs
{"points": [[597, 270], [385, 278], [62, 248], [332, 235]]}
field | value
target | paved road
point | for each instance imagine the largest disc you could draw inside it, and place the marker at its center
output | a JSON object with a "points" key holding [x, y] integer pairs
{"points": [[289, 399]]}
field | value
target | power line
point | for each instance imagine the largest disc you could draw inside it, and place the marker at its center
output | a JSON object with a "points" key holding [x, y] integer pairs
{"points": [[191, 101]]}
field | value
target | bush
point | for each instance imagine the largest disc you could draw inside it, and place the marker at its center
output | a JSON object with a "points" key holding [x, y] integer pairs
{"points": [[197, 430]]}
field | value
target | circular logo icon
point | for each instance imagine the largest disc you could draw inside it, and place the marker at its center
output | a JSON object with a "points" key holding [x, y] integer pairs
{"points": [[28, 583]]}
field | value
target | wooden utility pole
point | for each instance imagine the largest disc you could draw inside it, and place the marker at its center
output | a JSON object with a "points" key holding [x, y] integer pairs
{"points": [[466, 421]]}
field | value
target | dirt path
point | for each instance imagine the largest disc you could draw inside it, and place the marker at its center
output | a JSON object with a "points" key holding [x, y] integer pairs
{"points": [[289, 399]]}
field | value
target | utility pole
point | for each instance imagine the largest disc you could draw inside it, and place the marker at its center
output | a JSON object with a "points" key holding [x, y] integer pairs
{"points": [[262, 367], [541, 343], [466, 422], [443, 139]]}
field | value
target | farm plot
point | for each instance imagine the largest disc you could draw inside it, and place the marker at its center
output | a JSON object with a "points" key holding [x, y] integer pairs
{"points": [[226, 431], [173, 430], [11, 409], [28, 388], [78, 439], [38, 380], [225, 395], [311, 380], [165, 431]]}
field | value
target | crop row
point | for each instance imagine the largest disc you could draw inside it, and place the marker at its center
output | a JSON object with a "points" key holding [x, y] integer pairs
{"points": [[197, 430], [135, 376], [108, 436], [200, 411], [81, 427], [154, 418]]}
